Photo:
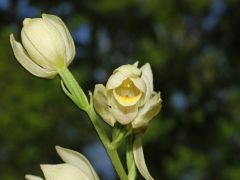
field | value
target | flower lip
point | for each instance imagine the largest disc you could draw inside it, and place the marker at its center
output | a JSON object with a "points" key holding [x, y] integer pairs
{"points": [[127, 94]]}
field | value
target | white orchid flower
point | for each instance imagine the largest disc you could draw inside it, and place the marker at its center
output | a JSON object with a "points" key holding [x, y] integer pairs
{"points": [[128, 97], [46, 47], [76, 167]]}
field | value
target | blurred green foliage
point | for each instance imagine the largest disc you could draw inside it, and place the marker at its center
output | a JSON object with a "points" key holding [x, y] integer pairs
{"points": [[193, 47]]}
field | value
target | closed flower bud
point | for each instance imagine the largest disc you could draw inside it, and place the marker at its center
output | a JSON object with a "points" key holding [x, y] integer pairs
{"points": [[46, 47], [76, 167], [128, 97]]}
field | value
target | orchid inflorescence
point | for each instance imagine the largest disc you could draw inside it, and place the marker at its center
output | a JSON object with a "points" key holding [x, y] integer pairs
{"points": [[127, 103]]}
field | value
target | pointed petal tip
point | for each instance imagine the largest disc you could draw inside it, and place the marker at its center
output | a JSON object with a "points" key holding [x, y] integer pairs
{"points": [[57, 147], [12, 40], [147, 64], [61, 150], [32, 177], [26, 21], [23, 58], [136, 63], [45, 16], [11, 36]]}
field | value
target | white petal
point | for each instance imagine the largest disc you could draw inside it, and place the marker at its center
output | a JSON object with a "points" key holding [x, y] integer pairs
{"points": [[27, 63], [124, 117], [63, 172], [78, 160], [139, 83], [46, 39], [115, 80], [147, 76], [100, 103], [35, 55], [31, 177], [139, 159], [129, 70], [67, 38], [136, 64], [151, 108]]}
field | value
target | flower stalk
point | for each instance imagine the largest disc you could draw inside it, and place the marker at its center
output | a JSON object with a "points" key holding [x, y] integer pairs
{"points": [[112, 152], [72, 89], [132, 173], [76, 94]]}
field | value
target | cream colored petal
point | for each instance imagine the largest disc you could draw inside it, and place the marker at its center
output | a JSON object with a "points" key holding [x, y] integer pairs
{"points": [[63, 30], [100, 103], [115, 80], [27, 63], [129, 70], [63, 172], [124, 117], [139, 83], [31, 177], [140, 160], [45, 39], [151, 108], [35, 55], [136, 64], [78, 160], [147, 76]]}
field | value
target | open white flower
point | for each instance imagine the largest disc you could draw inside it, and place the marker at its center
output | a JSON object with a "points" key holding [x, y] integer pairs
{"points": [[128, 96], [47, 46], [76, 167]]}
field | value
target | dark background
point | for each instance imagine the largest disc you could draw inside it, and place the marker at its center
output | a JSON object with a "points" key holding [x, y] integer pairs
{"points": [[193, 47]]}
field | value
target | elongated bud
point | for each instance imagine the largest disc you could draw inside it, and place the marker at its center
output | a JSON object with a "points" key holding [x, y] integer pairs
{"points": [[46, 47]]}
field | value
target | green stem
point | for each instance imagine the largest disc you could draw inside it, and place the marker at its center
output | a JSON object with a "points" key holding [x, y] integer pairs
{"points": [[75, 91], [132, 173], [106, 142], [77, 95]]}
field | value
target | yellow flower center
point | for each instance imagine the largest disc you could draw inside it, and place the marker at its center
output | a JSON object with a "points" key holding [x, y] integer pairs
{"points": [[127, 94]]}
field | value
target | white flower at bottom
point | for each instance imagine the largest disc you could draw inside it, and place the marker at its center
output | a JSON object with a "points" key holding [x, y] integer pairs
{"points": [[76, 167]]}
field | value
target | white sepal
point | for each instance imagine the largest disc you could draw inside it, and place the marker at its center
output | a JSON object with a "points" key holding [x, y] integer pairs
{"points": [[115, 80], [76, 167], [100, 103], [129, 70], [139, 83], [124, 117], [31, 177], [27, 63], [78, 160], [39, 36], [147, 77], [63, 172], [136, 63], [148, 111], [139, 159], [67, 38]]}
